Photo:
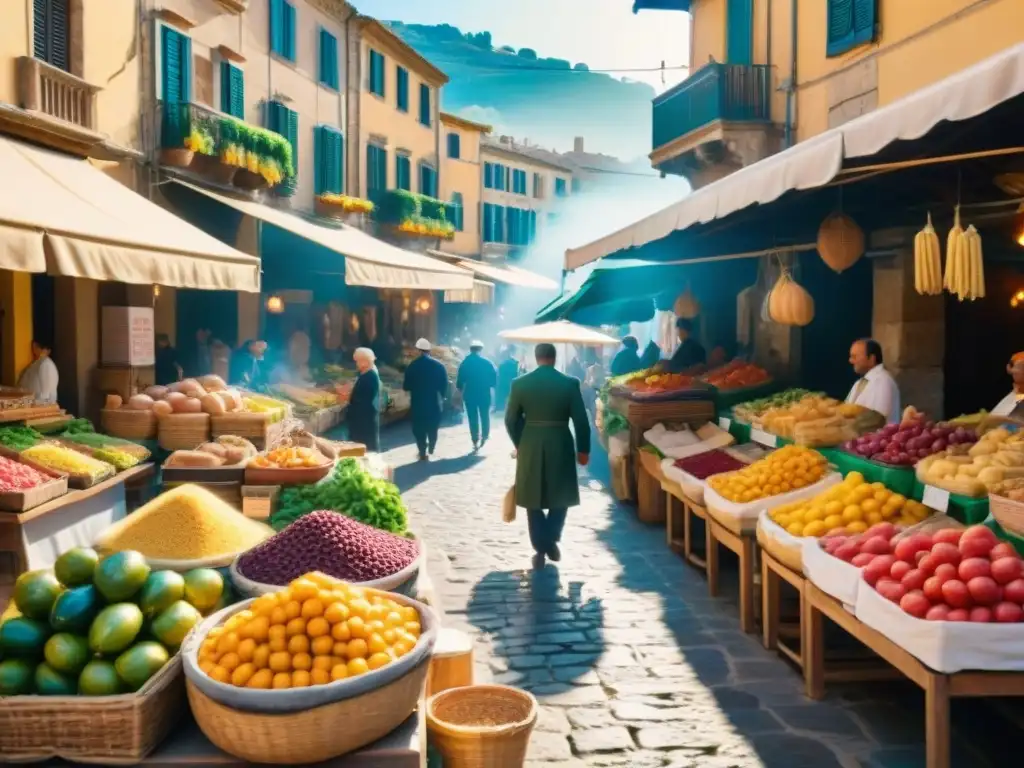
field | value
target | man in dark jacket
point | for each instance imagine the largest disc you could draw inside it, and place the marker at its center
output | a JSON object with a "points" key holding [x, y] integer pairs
{"points": [[476, 378], [540, 408], [627, 360], [426, 381], [690, 351], [651, 356], [508, 370]]}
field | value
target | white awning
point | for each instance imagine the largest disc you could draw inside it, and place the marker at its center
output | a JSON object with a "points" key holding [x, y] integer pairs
{"points": [[504, 273], [816, 161], [482, 293], [560, 332], [369, 262], [60, 214]]}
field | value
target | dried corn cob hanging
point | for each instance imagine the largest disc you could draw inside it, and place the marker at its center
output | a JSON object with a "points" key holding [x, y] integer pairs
{"points": [[975, 265], [952, 246], [927, 261]]}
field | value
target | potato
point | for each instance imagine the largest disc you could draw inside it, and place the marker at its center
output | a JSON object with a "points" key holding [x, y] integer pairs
{"points": [[214, 448], [162, 408], [212, 404]]}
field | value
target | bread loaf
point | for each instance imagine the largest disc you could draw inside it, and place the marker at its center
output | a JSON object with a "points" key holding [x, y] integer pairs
{"points": [[193, 459]]}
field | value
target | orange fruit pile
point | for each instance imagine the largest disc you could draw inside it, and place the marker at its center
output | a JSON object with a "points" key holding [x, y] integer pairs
{"points": [[313, 632], [781, 471]]}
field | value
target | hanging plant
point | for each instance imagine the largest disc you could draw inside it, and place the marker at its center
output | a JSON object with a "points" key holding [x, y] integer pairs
{"points": [[789, 303], [840, 241], [686, 305]]}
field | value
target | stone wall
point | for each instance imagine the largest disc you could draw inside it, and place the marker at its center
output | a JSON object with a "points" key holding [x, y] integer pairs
{"points": [[911, 330]]}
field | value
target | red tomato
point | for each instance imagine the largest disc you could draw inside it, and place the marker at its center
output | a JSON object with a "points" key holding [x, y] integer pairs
{"points": [[876, 545], [937, 613], [862, 559], [977, 541], [958, 614], [1008, 613], [900, 569], [915, 603], [944, 552], [914, 580], [947, 536], [984, 590], [1014, 591], [981, 615], [1003, 549], [1007, 569], [933, 589], [946, 571], [890, 590], [972, 567], [955, 594]]}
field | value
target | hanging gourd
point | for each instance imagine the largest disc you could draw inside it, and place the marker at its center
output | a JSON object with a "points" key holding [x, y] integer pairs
{"points": [[686, 305], [840, 241], [789, 303]]}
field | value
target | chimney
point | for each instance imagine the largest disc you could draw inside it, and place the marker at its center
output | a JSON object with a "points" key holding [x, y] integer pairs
{"points": [[577, 145]]}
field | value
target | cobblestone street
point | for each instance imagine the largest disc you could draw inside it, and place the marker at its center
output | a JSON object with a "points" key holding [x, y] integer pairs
{"points": [[633, 663]]}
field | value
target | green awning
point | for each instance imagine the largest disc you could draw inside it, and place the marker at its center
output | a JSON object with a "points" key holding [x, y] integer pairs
{"points": [[615, 294], [661, 5]]}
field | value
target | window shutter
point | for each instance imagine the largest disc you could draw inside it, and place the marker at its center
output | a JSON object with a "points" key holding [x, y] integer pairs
{"points": [[424, 104], [176, 66], [864, 19], [51, 33], [277, 26], [40, 13], [402, 86], [850, 23], [488, 176], [454, 146], [328, 59], [232, 90], [289, 30], [293, 137], [337, 162], [319, 162]]}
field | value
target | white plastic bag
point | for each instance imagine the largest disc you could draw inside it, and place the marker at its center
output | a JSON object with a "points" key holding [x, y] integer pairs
{"points": [[836, 578]]}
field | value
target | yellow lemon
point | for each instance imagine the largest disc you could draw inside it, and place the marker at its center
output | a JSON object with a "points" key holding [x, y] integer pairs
{"points": [[815, 529], [857, 526], [833, 521], [853, 514]]}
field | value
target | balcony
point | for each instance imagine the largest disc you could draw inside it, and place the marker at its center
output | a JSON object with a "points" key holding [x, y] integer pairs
{"points": [[56, 108], [715, 121]]}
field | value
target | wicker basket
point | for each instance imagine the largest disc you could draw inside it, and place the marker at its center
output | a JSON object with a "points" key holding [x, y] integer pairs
{"points": [[482, 726], [102, 730], [183, 431], [310, 735], [255, 427], [1008, 513], [129, 424]]}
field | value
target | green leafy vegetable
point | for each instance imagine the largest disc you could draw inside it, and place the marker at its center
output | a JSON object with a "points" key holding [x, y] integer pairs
{"points": [[350, 490], [18, 438]]}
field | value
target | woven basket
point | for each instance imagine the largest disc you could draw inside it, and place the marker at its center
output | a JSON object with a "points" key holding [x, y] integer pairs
{"points": [[1008, 513], [482, 726], [129, 424], [102, 730], [183, 431], [309, 735], [254, 427]]}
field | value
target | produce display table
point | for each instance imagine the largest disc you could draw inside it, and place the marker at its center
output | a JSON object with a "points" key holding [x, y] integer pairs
{"points": [[405, 747], [744, 546], [938, 688], [965, 509], [777, 632], [33, 540], [677, 502]]}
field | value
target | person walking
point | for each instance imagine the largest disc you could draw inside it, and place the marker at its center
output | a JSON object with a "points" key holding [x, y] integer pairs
{"points": [[476, 378], [508, 370], [540, 407], [426, 381], [363, 413]]}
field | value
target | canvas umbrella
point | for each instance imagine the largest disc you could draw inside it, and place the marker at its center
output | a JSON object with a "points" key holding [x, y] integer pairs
{"points": [[560, 332]]}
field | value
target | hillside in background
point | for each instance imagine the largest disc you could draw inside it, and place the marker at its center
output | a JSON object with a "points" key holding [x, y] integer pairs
{"points": [[548, 101]]}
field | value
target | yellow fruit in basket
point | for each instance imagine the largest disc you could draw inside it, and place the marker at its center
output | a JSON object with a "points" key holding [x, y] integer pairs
{"points": [[357, 648], [357, 667], [789, 467], [832, 522], [858, 526], [262, 678]]}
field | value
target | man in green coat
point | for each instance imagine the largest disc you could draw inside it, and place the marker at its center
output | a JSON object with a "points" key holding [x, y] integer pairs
{"points": [[540, 407]]}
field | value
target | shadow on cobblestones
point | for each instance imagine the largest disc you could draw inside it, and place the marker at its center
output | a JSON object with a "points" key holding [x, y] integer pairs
{"points": [[545, 637], [408, 476]]}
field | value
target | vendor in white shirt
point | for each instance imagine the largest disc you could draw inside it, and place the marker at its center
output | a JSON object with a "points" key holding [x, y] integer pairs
{"points": [[40, 377], [876, 389], [1015, 400]]}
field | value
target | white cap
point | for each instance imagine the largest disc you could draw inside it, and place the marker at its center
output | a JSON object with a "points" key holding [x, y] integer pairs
{"points": [[423, 345], [476, 344]]}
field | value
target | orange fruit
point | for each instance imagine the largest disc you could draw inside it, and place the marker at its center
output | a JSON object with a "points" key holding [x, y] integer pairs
{"points": [[318, 627], [336, 612], [280, 661], [220, 674], [261, 656], [357, 648], [378, 660], [295, 626], [376, 644], [357, 667], [246, 649], [312, 607], [301, 679], [262, 678], [298, 644], [320, 676], [323, 662], [229, 661], [341, 632], [357, 626], [242, 674], [281, 680], [322, 646], [339, 672]]}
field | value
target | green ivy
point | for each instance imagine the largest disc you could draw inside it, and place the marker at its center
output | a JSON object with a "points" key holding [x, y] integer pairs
{"points": [[397, 206]]}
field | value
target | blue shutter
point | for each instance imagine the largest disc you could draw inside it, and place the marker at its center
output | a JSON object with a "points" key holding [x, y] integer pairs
{"points": [[499, 177], [488, 176], [289, 30], [488, 223], [402, 86], [51, 33], [338, 159], [319, 161], [457, 211], [328, 144], [232, 90], [425, 104], [849, 23], [739, 22], [328, 59], [277, 27], [376, 72], [454, 146], [403, 173]]}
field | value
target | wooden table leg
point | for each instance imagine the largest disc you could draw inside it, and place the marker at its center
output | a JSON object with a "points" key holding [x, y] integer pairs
{"points": [[769, 606], [746, 555], [936, 720], [711, 556], [687, 532], [669, 519], [812, 640]]}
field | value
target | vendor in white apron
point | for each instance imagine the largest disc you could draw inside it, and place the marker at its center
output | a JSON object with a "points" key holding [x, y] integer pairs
{"points": [[1013, 403]]}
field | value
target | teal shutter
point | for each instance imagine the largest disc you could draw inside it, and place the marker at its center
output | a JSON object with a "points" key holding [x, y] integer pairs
{"points": [[328, 59], [232, 90], [403, 172], [319, 161], [488, 223], [277, 27], [499, 224], [739, 41], [454, 146], [328, 146], [402, 86], [425, 104], [336, 161], [293, 137], [457, 211], [289, 30], [488, 176], [376, 73], [176, 66], [850, 23]]}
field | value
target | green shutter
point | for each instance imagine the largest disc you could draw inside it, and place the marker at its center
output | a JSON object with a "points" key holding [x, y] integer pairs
{"points": [[402, 87], [319, 162], [334, 143], [424, 104], [328, 59], [232, 90]]}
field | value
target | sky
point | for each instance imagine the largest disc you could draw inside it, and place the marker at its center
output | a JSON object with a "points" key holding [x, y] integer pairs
{"points": [[605, 34]]}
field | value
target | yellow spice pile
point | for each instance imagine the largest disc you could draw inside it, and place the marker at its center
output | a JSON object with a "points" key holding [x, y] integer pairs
{"points": [[186, 523]]}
